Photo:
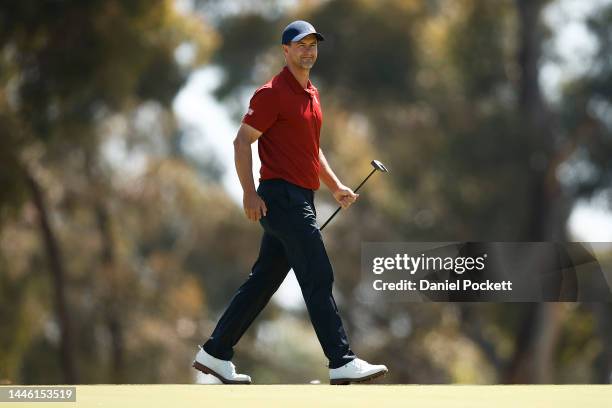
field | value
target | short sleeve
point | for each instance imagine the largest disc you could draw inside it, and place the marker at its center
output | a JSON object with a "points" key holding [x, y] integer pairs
{"points": [[263, 109]]}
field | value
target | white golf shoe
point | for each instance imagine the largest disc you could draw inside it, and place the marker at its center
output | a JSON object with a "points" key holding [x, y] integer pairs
{"points": [[356, 371], [224, 370]]}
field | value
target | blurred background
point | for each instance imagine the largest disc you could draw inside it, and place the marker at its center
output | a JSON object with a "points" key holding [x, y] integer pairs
{"points": [[122, 235]]}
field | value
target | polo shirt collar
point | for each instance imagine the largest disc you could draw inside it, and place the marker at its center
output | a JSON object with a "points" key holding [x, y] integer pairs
{"points": [[294, 84]]}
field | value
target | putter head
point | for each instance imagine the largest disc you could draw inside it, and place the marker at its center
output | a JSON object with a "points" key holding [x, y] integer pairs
{"points": [[379, 166]]}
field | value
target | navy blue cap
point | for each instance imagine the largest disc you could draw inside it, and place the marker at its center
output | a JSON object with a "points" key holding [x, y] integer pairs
{"points": [[298, 30]]}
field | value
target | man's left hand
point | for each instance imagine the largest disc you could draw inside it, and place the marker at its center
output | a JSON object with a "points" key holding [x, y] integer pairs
{"points": [[345, 196]]}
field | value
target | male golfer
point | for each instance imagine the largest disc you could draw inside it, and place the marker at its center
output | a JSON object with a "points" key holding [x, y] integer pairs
{"points": [[285, 116]]}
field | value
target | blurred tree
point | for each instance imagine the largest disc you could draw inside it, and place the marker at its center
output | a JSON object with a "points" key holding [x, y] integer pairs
{"points": [[447, 94], [585, 112], [66, 67]]}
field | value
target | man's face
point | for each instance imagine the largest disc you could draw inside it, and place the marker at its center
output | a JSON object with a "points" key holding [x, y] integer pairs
{"points": [[302, 53]]}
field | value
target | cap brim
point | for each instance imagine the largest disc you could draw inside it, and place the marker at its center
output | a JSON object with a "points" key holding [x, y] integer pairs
{"points": [[300, 36]]}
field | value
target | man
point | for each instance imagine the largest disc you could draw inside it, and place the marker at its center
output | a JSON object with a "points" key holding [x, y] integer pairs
{"points": [[285, 116]]}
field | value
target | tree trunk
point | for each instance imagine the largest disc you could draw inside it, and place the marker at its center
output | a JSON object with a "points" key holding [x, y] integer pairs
{"points": [[113, 321], [603, 365], [534, 121], [532, 362], [109, 270], [56, 267]]}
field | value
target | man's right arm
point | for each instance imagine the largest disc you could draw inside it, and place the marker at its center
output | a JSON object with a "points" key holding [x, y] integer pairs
{"points": [[254, 206]]}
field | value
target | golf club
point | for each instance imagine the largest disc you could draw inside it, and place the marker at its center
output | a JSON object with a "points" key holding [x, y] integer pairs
{"points": [[377, 166]]}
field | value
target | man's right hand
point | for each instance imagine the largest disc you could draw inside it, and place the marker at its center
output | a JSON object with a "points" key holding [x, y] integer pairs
{"points": [[254, 206]]}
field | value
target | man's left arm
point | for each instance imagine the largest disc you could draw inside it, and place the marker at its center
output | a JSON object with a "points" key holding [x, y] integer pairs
{"points": [[343, 195]]}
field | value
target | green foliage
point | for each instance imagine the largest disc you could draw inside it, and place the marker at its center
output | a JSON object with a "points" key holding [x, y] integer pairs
{"points": [[368, 57], [152, 255], [241, 46], [70, 70], [585, 113], [432, 89]]}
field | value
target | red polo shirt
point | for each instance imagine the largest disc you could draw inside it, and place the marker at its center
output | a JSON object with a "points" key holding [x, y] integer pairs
{"points": [[289, 117]]}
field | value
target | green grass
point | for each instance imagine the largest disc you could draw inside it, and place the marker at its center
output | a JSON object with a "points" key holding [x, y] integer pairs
{"points": [[374, 396]]}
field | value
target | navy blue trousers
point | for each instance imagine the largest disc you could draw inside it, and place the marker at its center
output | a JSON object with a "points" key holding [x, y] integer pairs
{"points": [[291, 239]]}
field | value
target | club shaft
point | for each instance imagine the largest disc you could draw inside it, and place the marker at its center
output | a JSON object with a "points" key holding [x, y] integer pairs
{"points": [[339, 208], [364, 180]]}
